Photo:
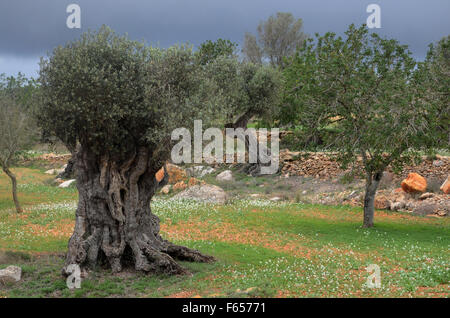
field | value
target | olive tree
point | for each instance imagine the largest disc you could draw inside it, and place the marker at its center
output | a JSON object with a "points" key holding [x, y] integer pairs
{"points": [[250, 90], [373, 90], [120, 100]]}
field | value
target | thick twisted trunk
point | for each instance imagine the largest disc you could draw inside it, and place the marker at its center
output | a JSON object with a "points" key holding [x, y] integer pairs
{"points": [[114, 223]]}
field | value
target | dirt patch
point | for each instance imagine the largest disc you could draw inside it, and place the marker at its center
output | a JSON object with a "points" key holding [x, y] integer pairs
{"points": [[227, 232], [60, 229]]}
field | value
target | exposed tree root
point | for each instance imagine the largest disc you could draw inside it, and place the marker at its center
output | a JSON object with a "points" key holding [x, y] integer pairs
{"points": [[114, 224]]}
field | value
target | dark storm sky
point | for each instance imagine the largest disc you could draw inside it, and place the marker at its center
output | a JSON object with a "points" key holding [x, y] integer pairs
{"points": [[30, 28]]}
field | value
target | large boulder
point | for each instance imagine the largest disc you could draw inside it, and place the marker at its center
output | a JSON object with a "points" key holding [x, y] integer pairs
{"points": [[445, 187], [226, 175], [414, 183], [205, 193], [10, 274]]}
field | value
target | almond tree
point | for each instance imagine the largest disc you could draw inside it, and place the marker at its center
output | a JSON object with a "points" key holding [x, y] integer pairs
{"points": [[373, 90]]}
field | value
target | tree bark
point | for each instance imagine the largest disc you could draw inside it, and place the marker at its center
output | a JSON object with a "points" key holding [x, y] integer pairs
{"points": [[69, 171], [372, 183], [14, 189], [114, 223]]}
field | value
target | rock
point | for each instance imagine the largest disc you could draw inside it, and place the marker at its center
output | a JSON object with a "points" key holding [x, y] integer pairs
{"points": [[255, 195], [426, 195], [445, 187], [438, 163], [395, 206], [194, 181], [58, 181], [67, 183], [176, 174], [206, 193], [55, 171], [179, 186], [381, 202], [159, 175], [226, 175], [165, 189], [10, 274], [414, 183], [275, 199], [352, 195], [425, 209], [206, 171], [199, 171]]}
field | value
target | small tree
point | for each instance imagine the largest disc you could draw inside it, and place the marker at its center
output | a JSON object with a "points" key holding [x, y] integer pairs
{"points": [[372, 89], [278, 37], [120, 101], [16, 133]]}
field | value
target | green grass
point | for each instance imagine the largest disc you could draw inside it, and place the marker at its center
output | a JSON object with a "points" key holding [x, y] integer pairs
{"points": [[263, 249]]}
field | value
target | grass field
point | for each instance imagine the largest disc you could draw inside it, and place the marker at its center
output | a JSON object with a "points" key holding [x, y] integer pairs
{"points": [[263, 248]]}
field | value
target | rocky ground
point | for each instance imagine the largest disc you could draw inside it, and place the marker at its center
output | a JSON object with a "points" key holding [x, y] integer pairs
{"points": [[305, 177], [317, 178]]}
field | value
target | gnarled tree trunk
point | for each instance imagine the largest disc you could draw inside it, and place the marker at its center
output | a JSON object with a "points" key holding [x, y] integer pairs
{"points": [[114, 223]]}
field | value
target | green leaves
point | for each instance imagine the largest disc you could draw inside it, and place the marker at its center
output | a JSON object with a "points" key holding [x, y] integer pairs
{"points": [[366, 86], [113, 94], [209, 50]]}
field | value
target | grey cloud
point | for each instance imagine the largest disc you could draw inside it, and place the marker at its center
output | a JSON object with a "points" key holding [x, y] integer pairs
{"points": [[29, 29]]}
